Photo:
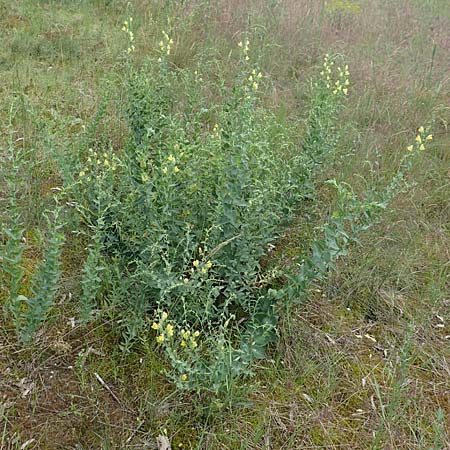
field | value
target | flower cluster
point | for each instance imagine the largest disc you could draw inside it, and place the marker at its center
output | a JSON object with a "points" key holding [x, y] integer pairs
{"points": [[216, 130], [177, 342], [173, 166], [166, 331], [165, 45], [245, 49], [253, 78], [188, 338], [336, 80], [95, 163], [421, 140], [127, 29], [203, 267], [197, 76], [199, 267]]}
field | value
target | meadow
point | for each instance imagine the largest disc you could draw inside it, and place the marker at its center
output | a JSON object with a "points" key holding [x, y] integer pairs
{"points": [[225, 224]]}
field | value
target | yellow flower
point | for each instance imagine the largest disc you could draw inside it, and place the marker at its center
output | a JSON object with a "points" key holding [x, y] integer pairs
{"points": [[185, 280], [164, 170], [160, 339], [169, 329], [247, 58], [164, 315], [196, 263], [421, 130], [155, 325], [194, 344], [259, 75], [106, 163], [418, 139], [204, 270], [183, 344], [184, 377], [197, 334], [422, 147], [185, 334], [209, 264], [176, 169], [345, 90], [410, 148], [429, 137], [171, 158], [240, 44], [255, 85], [250, 78], [82, 174]]}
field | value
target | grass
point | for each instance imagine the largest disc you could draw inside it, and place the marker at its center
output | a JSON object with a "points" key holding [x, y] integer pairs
{"points": [[365, 363]]}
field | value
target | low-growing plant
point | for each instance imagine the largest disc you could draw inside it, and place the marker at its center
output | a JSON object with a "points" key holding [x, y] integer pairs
{"points": [[183, 217], [44, 284], [29, 312], [12, 234], [11, 261]]}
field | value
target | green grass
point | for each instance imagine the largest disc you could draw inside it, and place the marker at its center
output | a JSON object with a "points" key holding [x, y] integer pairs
{"points": [[364, 363]]}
